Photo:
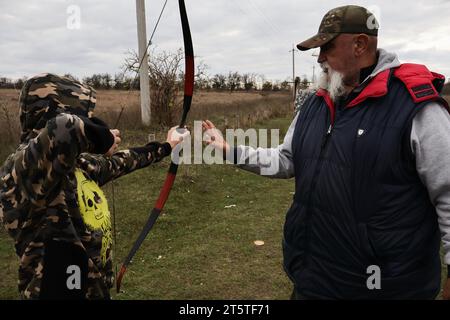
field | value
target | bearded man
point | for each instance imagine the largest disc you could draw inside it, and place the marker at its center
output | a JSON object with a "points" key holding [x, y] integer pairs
{"points": [[369, 152]]}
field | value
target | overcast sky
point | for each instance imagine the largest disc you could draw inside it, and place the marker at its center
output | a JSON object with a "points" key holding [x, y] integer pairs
{"points": [[228, 35]]}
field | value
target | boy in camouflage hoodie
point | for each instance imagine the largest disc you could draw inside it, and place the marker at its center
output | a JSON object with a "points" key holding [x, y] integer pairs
{"points": [[50, 200]]}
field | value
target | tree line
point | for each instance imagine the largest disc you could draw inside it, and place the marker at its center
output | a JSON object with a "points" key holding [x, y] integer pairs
{"points": [[97, 80], [233, 81]]}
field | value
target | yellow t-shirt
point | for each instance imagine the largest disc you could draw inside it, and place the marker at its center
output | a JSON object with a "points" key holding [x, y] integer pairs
{"points": [[94, 209]]}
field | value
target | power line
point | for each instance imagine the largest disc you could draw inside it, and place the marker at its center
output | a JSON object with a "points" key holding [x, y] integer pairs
{"points": [[269, 21], [156, 25], [248, 12]]}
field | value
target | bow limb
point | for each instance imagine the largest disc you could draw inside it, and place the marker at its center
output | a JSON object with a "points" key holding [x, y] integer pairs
{"points": [[171, 174]]}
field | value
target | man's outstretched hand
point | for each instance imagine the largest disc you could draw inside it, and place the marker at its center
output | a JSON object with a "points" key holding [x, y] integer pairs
{"points": [[214, 137]]}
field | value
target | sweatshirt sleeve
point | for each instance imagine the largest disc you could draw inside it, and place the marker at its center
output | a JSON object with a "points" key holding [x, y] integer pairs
{"points": [[39, 165], [430, 143], [271, 162], [103, 169]]}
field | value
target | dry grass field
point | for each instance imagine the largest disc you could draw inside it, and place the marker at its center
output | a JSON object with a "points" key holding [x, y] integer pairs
{"points": [[231, 110]]}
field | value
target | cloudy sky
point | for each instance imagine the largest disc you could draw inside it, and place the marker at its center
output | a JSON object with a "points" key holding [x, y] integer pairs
{"points": [[229, 35]]}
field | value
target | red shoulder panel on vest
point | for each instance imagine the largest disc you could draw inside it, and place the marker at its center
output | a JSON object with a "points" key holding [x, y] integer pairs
{"points": [[419, 81]]}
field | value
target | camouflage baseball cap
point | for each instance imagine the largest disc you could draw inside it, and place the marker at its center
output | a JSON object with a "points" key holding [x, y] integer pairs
{"points": [[345, 19]]}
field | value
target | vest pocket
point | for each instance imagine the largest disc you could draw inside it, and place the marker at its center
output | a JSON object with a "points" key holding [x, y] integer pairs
{"points": [[294, 226], [289, 223], [294, 240]]}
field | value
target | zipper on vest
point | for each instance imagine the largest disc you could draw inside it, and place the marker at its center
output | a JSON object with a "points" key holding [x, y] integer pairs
{"points": [[317, 171], [326, 138]]}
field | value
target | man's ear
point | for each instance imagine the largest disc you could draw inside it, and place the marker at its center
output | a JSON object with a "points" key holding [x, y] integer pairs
{"points": [[361, 44]]}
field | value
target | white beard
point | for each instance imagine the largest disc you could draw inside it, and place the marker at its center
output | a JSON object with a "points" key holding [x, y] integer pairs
{"points": [[332, 81]]}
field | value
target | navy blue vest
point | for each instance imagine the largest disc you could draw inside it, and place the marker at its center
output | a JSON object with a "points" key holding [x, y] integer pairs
{"points": [[359, 201]]}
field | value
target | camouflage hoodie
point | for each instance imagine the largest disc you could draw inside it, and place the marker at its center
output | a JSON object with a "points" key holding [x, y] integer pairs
{"points": [[39, 192]]}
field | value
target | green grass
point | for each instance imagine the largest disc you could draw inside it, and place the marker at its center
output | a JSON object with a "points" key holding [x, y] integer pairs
{"points": [[8, 268], [199, 249]]}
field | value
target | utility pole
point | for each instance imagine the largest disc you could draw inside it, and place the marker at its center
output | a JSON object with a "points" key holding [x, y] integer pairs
{"points": [[315, 53], [143, 56], [314, 75], [293, 70]]}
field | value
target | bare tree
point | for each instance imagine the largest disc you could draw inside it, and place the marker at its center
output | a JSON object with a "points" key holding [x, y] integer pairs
{"points": [[285, 86], [5, 82], [164, 73], [219, 82], [276, 86], [107, 81], [234, 81], [201, 78], [249, 81], [267, 86]]}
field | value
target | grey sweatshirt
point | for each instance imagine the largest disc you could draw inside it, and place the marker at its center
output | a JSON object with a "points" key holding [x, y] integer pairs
{"points": [[430, 142]]}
